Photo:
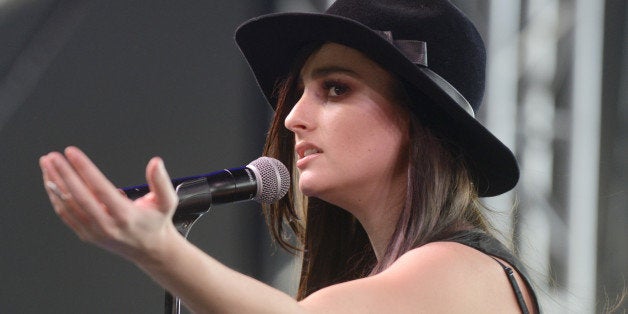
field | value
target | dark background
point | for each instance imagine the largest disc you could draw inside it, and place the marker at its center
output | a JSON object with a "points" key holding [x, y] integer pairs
{"points": [[128, 80], [124, 81]]}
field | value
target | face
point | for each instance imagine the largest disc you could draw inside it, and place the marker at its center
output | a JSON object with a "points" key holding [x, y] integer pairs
{"points": [[351, 137]]}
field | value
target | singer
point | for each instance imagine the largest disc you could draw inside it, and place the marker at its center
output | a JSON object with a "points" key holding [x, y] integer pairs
{"points": [[374, 117]]}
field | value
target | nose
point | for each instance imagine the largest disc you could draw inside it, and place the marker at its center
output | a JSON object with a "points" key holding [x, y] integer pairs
{"points": [[300, 117]]}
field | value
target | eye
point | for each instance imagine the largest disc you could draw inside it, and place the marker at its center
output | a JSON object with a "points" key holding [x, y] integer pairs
{"points": [[335, 88]]}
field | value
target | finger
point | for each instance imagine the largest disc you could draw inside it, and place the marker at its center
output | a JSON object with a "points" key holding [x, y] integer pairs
{"points": [[161, 186], [56, 196], [90, 178], [82, 201], [56, 191], [79, 228]]}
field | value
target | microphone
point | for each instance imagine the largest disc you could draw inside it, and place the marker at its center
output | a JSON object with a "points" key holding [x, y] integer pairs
{"points": [[265, 180]]}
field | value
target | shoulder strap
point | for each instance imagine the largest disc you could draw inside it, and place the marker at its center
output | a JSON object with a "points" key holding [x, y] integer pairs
{"points": [[488, 245], [515, 286]]}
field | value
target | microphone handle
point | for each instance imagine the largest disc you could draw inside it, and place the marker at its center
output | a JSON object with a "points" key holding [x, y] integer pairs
{"points": [[197, 193]]}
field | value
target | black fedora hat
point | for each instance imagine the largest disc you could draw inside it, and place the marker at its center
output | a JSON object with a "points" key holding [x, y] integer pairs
{"points": [[429, 44]]}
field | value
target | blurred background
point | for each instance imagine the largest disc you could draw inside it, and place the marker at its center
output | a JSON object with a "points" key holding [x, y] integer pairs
{"points": [[128, 80]]}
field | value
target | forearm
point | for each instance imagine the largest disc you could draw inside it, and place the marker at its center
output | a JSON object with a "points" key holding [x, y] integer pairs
{"points": [[142, 231], [205, 285]]}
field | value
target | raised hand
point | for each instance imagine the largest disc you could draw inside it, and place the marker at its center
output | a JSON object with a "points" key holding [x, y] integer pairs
{"points": [[99, 213]]}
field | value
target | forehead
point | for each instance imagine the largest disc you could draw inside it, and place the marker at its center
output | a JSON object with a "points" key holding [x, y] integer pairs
{"points": [[332, 57]]}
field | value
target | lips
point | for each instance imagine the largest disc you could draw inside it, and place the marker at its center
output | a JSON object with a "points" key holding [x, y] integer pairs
{"points": [[310, 151], [306, 151]]}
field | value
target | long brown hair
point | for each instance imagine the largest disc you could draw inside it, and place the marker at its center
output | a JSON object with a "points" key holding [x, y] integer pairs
{"points": [[441, 199]]}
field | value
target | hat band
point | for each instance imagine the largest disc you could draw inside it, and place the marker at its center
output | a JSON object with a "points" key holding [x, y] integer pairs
{"points": [[414, 50]]}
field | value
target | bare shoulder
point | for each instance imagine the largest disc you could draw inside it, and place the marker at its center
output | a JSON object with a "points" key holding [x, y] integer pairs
{"points": [[450, 256], [460, 276], [440, 277]]}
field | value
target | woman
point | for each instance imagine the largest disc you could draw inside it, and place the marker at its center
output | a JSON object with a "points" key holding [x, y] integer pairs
{"points": [[388, 159]]}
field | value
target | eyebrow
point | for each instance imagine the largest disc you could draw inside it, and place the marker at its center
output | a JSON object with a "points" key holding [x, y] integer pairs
{"points": [[323, 71]]}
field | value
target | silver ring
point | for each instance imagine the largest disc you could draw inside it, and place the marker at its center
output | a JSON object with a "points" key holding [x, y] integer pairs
{"points": [[55, 189]]}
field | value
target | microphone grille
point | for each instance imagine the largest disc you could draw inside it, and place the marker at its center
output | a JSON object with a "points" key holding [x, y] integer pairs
{"points": [[273, 179]]}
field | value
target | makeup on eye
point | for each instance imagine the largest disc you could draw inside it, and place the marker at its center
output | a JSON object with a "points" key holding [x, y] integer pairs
{"points": [[335, 88], [331, 78]]}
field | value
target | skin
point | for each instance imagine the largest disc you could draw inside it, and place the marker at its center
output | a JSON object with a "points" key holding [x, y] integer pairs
{"points": [[358, 136], [440, 277]]}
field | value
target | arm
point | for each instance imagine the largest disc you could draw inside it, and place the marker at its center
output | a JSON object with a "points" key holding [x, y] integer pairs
{"points": [[142, 232]]}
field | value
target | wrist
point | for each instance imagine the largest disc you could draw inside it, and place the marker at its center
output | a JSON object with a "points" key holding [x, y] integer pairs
{"points": [[160, 250]]}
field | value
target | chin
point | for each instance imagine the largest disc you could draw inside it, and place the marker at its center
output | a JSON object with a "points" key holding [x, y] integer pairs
{"points": [[308, 187], [307, 191]]}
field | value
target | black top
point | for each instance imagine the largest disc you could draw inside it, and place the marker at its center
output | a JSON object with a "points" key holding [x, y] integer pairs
{"points": [[487, 244]]}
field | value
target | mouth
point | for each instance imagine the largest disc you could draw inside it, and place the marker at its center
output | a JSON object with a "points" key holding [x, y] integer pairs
{"points": [[310, 152], [304, 150]]}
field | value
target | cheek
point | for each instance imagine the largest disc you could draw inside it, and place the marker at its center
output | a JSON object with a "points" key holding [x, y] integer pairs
{"points": [[372, 152], [389, 148], [375, 136]]}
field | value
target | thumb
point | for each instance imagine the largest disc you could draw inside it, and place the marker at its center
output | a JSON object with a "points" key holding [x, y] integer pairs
{"points": [[160, 185]]}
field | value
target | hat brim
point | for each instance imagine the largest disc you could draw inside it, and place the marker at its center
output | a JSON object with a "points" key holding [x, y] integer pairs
{"points": [[271, 42]]}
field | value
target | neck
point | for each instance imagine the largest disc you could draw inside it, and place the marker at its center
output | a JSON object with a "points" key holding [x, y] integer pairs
{"points": [[378, 214], [380, 226]]}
